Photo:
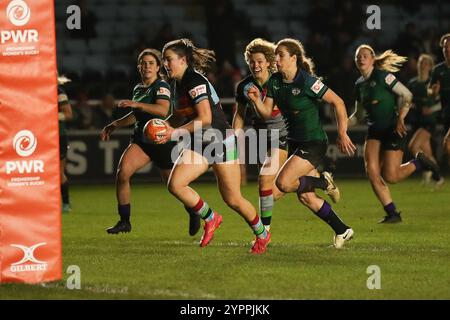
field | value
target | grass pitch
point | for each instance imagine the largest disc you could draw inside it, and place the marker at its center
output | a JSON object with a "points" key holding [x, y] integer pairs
{"points": [[159, 260]]}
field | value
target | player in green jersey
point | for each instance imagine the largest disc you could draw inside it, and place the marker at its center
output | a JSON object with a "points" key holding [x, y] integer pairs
{"points": [[426, 108], [377, 91], [151, 99], [260, 57], [440, 87], [296, 91], [64, 115]]}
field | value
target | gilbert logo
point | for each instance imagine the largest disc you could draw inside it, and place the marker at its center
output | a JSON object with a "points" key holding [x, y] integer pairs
{"points": [[28, 256], [18, 12], [24, 143]]}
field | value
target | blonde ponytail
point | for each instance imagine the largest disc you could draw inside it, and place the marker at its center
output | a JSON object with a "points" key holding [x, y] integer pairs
{"points": [[388, 61]]}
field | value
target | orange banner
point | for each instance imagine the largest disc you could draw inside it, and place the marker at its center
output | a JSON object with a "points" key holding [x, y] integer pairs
{"points": [[30, 209]]}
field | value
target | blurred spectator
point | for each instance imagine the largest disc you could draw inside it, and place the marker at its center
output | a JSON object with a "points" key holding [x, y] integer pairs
{"points": [[163, 35], [84, 114], [346, 69], [104, 113], [430, 38], [409, 41], [317, 47], [220, 21], [318, 9]]}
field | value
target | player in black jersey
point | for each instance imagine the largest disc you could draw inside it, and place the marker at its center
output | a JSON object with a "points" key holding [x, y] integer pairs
{"points": [[64, 115], [439, 87], [198, 117], [151, 99], [426, 109]]}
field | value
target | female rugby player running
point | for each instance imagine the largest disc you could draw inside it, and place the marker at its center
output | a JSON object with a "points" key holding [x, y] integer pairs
{"points": [[260, 57], [377, 91], [197, 108], [296, 91], [151, 99], [426, 108]]}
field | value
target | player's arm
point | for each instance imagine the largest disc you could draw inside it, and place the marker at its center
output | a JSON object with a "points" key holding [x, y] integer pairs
{"points": [[204, 117], [239, 116], [160, 108], [434, 86], [64, 108], [404, 103], [125, 121], [343, 141], [264, 108]]}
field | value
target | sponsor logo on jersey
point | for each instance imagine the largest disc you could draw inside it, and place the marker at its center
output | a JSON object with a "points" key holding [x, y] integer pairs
{"points": [[198, 90], [164, 92], [317, 86], [296, 91], [28, 256], [389, 79]]}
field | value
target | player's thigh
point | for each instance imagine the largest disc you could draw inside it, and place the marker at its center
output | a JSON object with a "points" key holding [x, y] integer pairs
{"points": [[228, 177], [133, 159], [392, 160], [273, 162], [420, 137], [294, 168], [372, 156], [189, 166]]}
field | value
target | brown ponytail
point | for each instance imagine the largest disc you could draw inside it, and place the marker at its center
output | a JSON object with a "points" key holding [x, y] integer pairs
{"points": [[295, 47], [197, 58]]}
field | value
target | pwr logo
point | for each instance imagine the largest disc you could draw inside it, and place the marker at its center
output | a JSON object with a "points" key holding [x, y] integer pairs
{"points": [[24, 143], [28, 256], [18, 13]]}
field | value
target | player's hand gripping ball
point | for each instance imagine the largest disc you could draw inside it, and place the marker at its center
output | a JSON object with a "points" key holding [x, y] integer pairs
{"points": [[155, 130]]}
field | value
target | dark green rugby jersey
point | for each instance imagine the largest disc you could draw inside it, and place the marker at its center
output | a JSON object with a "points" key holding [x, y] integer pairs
{"points": [[422, 100], [159, 89], [298, 102], [376, 96], [441, 73]]}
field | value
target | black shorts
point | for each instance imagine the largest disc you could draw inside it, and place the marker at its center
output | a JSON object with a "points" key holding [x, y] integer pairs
{"points": [[313, 151], [159, 154], [219, 151], [63, 146], [389, 139], [430, 127]]}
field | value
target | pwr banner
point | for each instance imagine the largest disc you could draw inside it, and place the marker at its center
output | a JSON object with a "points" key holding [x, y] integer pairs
{"points": [[30, 213]]}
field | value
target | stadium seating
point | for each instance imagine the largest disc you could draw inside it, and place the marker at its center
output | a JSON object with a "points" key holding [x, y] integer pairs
{"points": [[122, 25]]}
